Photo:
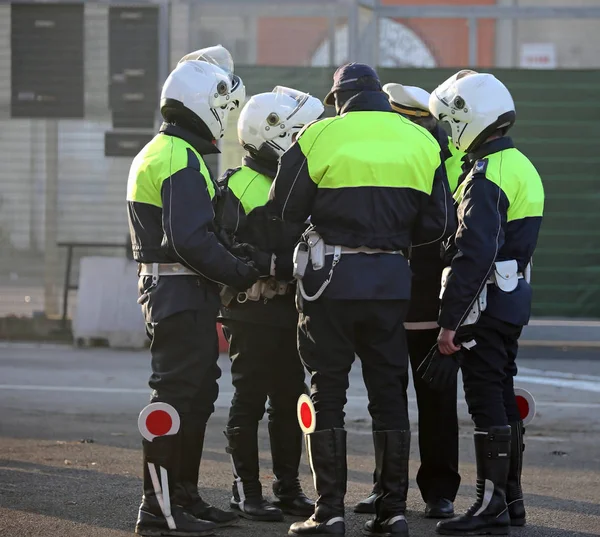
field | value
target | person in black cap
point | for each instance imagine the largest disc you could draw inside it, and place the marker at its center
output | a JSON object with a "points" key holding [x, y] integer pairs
{"points": [[438, 478], [366, 178]]}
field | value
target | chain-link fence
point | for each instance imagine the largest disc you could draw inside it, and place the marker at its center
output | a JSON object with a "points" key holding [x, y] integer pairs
{"points": [[79, 84]]}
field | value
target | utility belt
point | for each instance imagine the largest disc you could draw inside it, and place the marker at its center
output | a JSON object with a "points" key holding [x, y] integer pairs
{"points": [[156, 270], [505, 276], [263, 289], [313, 248]]}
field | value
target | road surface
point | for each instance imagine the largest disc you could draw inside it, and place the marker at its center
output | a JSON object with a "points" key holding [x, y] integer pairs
{"points": [[70, 458]]}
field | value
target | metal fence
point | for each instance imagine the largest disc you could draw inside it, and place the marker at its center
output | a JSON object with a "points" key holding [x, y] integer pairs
{"points": [[57, 184]]}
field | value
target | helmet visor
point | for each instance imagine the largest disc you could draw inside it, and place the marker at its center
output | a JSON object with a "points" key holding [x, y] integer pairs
{"points": [[217, 55], [299, 96]]}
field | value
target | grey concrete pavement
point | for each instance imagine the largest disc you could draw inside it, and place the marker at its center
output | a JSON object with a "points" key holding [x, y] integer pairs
{"points": [[576, 333], [70, 460]]}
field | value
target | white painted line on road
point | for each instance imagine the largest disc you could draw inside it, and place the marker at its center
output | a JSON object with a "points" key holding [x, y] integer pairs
{"points": [[582, 385], [557, 374], [225, 397], [89, 389]]}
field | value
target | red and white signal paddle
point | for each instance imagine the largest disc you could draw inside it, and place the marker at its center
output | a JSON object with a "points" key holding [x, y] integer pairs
{"points": [[156, 420], [526, 404], [306, 414]]}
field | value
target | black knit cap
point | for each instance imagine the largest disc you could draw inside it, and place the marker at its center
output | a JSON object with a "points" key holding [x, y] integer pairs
{"points": [[353, 77]]}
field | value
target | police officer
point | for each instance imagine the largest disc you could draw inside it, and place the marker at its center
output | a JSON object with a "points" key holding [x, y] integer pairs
{"points": [[169, 195], [438, 478], [261, 322], [366, 178], [487, 297]]}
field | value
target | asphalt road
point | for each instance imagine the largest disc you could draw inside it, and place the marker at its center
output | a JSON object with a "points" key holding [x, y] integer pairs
{"points": [[70, 460]]}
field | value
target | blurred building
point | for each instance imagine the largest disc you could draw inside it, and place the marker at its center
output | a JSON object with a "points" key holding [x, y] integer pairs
{"points": [[415, 42]]}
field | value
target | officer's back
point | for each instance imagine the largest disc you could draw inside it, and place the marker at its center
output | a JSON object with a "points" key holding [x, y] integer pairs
{"points": [[366, 182]]}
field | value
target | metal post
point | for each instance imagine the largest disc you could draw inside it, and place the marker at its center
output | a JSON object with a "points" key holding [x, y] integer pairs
{"points": [[164, 32], [332, 32], [506, 38], [376, 36], [67, 285], [353, 31], [473, 41], [51, 220]]}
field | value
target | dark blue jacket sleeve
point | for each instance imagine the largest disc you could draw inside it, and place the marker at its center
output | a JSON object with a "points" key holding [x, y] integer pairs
{"points": [[187, 223], [480, 235], [293, 191], [437, 219]]}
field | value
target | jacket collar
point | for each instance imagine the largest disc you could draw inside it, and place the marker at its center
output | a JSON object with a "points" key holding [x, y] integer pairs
{"points": [[367, 101], [262, 166], [203, 146], [493, 146]]}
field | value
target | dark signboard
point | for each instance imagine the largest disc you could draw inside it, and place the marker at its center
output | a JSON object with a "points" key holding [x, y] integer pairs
{"points": [[133, 66], [125, 144], [47, 60]]}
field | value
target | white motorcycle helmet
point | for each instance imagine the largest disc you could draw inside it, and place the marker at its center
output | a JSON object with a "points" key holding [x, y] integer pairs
{"points": [[475, 105], [269, 122], [197, 90], [218, 55]]}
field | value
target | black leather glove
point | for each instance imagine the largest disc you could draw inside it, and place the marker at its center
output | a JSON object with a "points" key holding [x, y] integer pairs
{"points": [[284, 266], [242, 250], [438, 370], [262, 261], [248, 276]]}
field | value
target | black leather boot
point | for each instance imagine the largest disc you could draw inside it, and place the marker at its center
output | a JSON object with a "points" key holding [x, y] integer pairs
{"points": [[286, 451], [514, 493], [392, 451], [246, 491], [327, 457], [489, 514], [165, 452], [367, 506], [192, 445]]}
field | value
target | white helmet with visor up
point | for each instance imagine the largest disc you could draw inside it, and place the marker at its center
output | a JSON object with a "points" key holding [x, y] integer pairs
{"points": [[269, 122], [474, 105], [218, 55], [198, 90]]}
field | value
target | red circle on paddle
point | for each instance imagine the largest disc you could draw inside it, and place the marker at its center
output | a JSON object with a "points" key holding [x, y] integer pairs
{"points": [[306, 415], [523, 405], [159, 423]]}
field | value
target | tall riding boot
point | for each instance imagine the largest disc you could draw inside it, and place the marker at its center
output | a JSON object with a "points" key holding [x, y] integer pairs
{"points": [[247, 496], [367, 506], [327, 457], [191, 454], [165, 452], [392, 451], [514, 493], [286, 451], [489, 514]]}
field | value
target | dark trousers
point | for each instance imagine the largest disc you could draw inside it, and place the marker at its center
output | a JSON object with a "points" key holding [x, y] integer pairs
{"points": [[330, 332], [185, 349], [438, 475], [488, 370], [265, 363]]}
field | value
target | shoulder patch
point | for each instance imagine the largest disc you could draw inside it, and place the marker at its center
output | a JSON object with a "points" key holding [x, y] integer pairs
{"points": [[480, 166]]}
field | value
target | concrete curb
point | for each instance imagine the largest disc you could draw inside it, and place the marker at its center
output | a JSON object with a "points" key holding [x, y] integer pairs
{"points": [[565, 333]]}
